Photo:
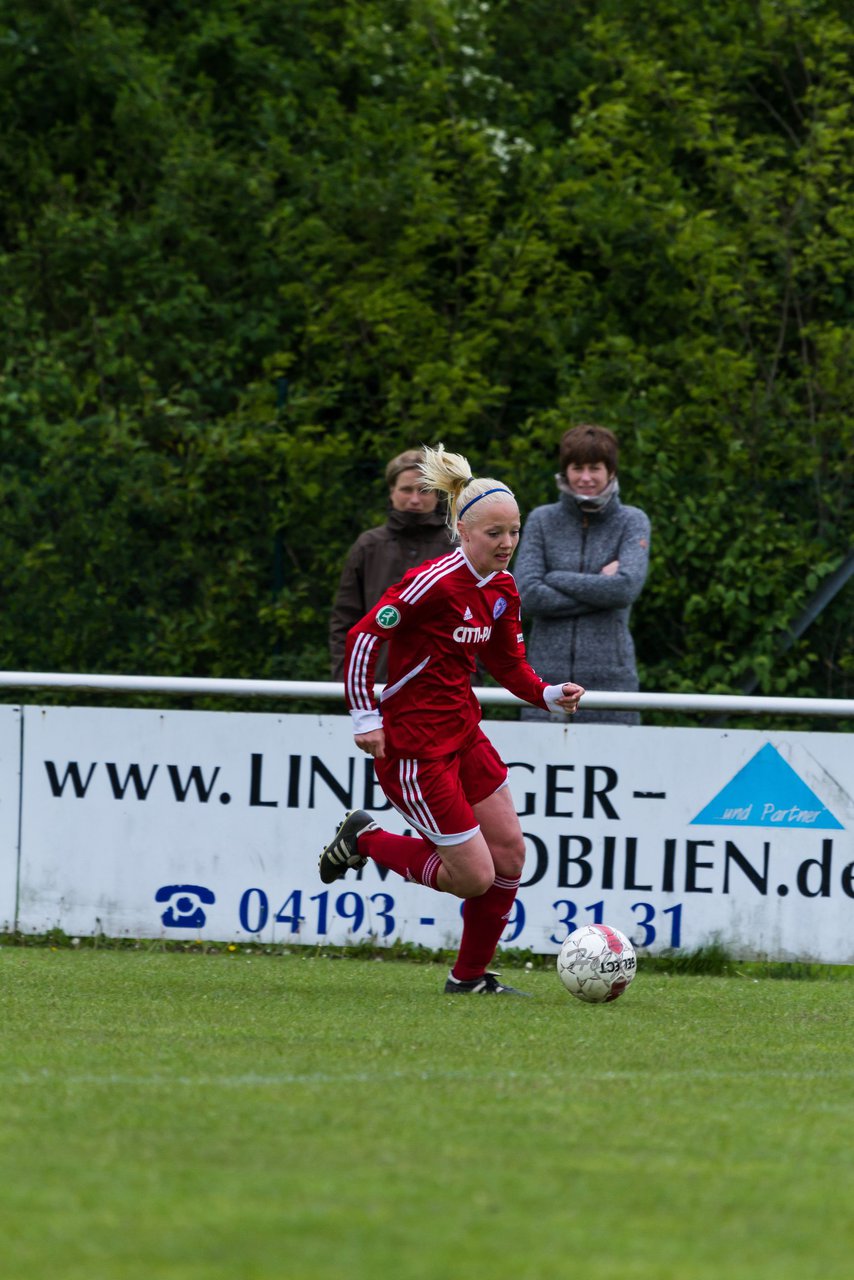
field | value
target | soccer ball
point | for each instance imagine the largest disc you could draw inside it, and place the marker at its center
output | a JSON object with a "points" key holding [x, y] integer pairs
{"points": [[596, 963]]}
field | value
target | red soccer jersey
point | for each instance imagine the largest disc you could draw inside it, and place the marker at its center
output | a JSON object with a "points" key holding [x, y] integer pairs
{"points": [[436, 619]]}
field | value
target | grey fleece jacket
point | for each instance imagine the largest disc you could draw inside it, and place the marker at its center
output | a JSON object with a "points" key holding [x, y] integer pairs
{"points": [[580, 616]]}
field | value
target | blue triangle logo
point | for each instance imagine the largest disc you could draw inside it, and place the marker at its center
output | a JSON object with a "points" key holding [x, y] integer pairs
{"points": [[767, 793]]}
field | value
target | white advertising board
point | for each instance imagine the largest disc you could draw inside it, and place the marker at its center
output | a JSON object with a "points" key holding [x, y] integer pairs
{"points": [[190, 824], [10, 798]]}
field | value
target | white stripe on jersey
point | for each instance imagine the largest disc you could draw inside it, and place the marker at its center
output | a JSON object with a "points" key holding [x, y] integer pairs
{"points": [[358, 690], [398, 684], [423, 581]]}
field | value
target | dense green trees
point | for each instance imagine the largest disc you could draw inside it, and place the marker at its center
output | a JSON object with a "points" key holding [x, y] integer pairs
{"points": [[249, 250]]}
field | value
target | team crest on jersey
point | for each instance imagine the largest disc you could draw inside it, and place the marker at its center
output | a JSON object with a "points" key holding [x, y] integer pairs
{"points": [[388, 617], [499, 607]]}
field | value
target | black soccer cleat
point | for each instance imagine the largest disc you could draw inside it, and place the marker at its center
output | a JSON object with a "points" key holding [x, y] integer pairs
{"points": [[341, 854], [488, 985]]}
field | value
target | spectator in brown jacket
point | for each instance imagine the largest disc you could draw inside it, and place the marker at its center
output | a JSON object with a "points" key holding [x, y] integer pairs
{"points": [[415, 530]]}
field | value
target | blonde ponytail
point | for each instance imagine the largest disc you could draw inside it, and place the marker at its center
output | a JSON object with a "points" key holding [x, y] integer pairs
{"points": [[450, 474]]}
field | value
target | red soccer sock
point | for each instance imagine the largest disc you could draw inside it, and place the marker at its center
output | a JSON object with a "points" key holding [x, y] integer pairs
{"points": [[410, 856], [484, 919]]}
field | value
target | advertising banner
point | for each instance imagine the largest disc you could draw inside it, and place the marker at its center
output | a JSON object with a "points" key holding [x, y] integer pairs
{"points": [[183, 824], [10, 799]]}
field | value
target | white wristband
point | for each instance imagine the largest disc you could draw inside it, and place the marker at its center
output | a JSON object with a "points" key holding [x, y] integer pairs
{"points": [[365, 721], [551, 693]]}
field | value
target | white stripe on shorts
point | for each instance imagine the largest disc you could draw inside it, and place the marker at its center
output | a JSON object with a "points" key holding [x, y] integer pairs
{"points": [[417, 811], [408, 774]]}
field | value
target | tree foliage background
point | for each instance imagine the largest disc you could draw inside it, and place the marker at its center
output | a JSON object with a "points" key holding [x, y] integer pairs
{"points": [[249, 250]]}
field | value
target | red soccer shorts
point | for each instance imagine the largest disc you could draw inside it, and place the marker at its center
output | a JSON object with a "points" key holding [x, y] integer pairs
{"points": [[436, 796]]}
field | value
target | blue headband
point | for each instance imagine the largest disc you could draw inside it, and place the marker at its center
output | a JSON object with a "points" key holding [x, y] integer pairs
{"points": [[485, 494]]}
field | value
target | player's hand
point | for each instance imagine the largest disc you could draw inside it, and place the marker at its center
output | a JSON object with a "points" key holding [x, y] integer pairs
{"points": [[572, 694], [610, 569], [373, 743]]}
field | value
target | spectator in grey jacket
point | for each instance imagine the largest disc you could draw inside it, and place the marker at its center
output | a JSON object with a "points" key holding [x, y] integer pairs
{"points": [[582, 562]]}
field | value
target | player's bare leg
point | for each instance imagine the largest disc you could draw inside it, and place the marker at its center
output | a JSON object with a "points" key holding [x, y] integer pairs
{"points": [[499, 825], [485, 914], [467, 868], [484, 870]]}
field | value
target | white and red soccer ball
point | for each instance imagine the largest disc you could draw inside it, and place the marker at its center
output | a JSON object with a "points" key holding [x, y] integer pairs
{"points": [[596, 963]]}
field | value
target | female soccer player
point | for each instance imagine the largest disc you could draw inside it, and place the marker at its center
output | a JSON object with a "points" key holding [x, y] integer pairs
{"points": [[433, 761]]}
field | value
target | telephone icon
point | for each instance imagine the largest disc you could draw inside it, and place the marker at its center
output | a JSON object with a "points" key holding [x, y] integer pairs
{"points": [[185, 909]]}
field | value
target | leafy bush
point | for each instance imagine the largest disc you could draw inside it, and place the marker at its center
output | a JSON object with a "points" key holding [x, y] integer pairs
{"points": [[245, 260]]}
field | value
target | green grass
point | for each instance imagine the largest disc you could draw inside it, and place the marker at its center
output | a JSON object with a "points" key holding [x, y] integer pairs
{"points": [[298, 1117]]}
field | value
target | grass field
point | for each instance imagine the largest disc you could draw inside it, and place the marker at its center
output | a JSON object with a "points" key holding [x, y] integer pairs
{"points": [[299, 1117]]}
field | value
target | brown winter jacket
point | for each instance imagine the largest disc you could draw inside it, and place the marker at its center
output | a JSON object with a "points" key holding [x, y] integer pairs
{"points": [[378, 558]]}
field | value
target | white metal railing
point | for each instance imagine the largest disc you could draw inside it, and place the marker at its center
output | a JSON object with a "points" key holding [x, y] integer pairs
{"points": [[711, 703]]}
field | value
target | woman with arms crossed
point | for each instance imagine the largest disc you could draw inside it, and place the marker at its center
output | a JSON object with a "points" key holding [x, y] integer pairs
{"points": [[582, 563], [432, 759]]}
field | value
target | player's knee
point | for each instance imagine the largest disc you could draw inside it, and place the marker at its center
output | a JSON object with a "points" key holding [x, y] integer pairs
{"points": [[509, 857], [483, 881], [473, 881]]}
